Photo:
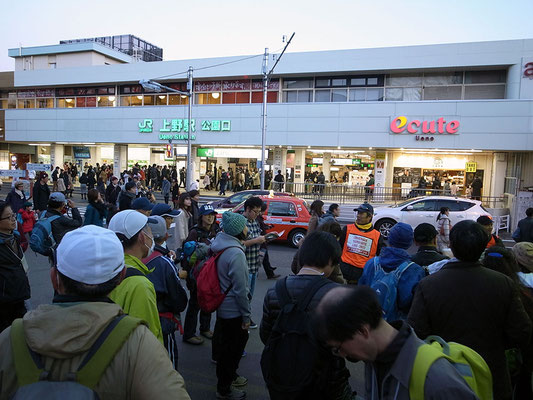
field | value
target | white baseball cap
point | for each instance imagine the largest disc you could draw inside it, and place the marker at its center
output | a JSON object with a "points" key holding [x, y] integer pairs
{"points": [[128, 222], [90, 255]]}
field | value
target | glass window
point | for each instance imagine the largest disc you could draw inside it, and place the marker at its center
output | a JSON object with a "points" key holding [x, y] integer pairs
{"points": [[372, 81], [443, 78], [357, 94], [404, 80], [322, 82], [244, 97], [80, 101], [149, 100], [65, 103], [497, 76], [322, 96], [208, 98], [424, 205], [374, 94], [161, 100], [394, 94], [338, 82], [3, 103], [290, 97], [412, 94], [484, 92], [26, 103], [177, 99], [358, 82], [338, 95], [228, 98], [131, 100], [106, 101], [305, 96], [298, 84], [455, 205], [443, 93], [272, 97], [90, 102], [281, 209]]}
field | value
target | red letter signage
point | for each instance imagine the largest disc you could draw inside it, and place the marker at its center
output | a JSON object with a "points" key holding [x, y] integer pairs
{"points": [[438, 126], [528, 71]]}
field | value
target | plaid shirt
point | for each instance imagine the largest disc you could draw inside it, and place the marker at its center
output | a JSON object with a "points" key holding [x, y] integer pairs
{"points": [[252, 252]]}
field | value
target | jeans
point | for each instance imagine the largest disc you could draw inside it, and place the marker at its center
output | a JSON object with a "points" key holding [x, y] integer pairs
{"points": [[222, 187], [351, 274], [251, 283], [229, 341], [191, 317]]}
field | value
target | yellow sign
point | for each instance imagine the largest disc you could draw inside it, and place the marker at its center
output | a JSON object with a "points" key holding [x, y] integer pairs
{"points": [[471, 167]]}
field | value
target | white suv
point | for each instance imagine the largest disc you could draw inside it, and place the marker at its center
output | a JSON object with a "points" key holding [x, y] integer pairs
{"points": [[426, 209]]}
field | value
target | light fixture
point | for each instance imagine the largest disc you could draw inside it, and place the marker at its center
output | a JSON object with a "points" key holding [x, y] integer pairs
{"points": [[161, 97], [183, 96], [140, 97], [61, 142], [338, 147], [308, 147], [89, 143], [370, 148], [215, 95], [68, 100], [111, 98], [98, 98], [39, 144]]}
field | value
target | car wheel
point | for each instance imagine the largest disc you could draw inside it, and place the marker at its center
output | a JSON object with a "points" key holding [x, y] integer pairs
{"points": [[295, 236], [384, 226]]}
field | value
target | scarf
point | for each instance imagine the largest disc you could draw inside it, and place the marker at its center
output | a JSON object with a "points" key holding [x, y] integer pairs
{"points": [[9, 240], [364, 227], [100, 207], [20, 193]]}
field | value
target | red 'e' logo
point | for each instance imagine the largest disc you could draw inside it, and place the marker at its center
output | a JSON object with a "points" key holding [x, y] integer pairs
{"points": [[528, 71]]}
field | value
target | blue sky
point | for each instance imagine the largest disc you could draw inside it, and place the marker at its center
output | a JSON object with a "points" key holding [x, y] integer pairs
{"points": [[209, 28]]}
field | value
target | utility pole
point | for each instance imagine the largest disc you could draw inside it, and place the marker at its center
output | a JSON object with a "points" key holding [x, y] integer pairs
{"points": [[190, 164], [264, 116]]}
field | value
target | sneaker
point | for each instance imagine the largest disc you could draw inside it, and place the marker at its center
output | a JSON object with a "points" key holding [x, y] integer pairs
{"points": [[194, 340], [253, 325], [239, 381], [244, 353], [275, 276], [207, 334], [233, 394]]}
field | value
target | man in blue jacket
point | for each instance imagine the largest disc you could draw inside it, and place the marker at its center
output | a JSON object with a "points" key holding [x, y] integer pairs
{"points": [[396, 259]]}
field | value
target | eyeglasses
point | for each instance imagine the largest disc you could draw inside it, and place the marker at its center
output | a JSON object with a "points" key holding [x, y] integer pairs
{"points": [[10, 216]]}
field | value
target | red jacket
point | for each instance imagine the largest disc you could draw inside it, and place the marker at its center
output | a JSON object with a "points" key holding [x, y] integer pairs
{"points": [[28, 218]]}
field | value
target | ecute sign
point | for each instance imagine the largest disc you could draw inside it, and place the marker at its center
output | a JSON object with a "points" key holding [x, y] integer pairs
{"points": [[401, 125]]}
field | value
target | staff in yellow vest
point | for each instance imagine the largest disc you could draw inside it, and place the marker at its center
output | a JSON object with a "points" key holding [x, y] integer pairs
{"points": [[360, 242]]}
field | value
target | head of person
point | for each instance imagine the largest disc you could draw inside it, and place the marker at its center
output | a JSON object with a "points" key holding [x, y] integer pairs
{"points": [[28, 205], [184, 201], [332, 227], [501, 260], [114, 181], [317, 207], [335, 209], [131, 228], [234, 224], [468, 240], [89, 263], [401, 236], [486, 223], [43, 178], [444, 211], [321, 251], [57, 201], [348, 320], [165, 211], [425, 235], [130, 187], [93, 195], [8, 219], [529, 212], [19, 185], [158, 226], [207, 215], [523, 253], [365, 213], [195, 195], [252, 207], [142, 205]]}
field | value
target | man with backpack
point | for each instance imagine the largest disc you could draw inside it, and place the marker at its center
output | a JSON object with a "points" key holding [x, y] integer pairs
{"points": [[171, 297], [294, 366], [83, 345], [349, 321], [393, 275], [136, 294], [472, 305], [233, 314]]}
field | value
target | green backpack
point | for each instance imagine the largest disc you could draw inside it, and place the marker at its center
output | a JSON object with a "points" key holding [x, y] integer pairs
{"points": [[466, 361], [33, 379]]}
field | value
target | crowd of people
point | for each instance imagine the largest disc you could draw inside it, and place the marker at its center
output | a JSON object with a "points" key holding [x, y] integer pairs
{"points": [[118, 275]]}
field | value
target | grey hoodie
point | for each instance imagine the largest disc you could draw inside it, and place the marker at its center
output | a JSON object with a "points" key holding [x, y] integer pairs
{"points": [[232, 269]]}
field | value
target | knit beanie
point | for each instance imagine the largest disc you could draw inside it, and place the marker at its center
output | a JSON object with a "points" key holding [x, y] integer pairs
{"points": [[401, 236], [233, 223], [523, 253]]}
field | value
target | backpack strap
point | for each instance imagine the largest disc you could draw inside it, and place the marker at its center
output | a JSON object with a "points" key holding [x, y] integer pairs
{"points": [[402, 267], [282, 292], [426, 355], [307, 296], [377, 265]]}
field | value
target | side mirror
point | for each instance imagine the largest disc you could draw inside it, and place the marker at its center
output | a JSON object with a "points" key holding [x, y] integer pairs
{"points": [[409, 208]]}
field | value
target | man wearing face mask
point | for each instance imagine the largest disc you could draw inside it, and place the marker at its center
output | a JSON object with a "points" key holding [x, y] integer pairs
{"points": [[136, 294]]}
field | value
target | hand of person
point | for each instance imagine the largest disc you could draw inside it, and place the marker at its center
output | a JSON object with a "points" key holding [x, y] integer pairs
{"points": [[245, 325], [182, 274], [172, 255], [71, 204], [260, 239]]}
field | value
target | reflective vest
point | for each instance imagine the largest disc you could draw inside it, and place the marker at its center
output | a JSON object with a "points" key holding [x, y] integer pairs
{"points": [[359, 246], [492, 241]]}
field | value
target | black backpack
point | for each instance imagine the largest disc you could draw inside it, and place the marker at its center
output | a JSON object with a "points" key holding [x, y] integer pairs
{"points": [[290, 356]]}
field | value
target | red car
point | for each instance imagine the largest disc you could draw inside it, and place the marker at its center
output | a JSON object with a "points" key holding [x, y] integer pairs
{"points": [[289, 217]]}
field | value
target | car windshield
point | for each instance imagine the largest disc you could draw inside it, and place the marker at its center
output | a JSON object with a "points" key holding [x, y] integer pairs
{"points": [[404, 203]]}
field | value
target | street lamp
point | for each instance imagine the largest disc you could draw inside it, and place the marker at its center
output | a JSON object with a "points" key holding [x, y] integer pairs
{"points": [[153, 86]]}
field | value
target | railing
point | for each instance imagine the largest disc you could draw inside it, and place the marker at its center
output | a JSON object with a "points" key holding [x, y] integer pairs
{"points": [[340, 193]]}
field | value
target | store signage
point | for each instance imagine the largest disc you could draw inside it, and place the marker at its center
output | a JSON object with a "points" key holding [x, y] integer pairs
{"points": [[471, 167], [528, 70], [81, 152], [202, 152], [15, 173], [38, 167], [401, 125], [179, 128]]}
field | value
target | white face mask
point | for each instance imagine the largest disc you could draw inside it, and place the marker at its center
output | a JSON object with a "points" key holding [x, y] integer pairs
{"points": [[151, 248]]}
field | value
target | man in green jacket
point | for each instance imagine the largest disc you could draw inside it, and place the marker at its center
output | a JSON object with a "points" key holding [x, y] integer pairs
{"points": [[136, 294]]}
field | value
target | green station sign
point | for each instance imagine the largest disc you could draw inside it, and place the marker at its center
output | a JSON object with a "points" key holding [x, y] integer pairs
{"points": [[178, 129], [205, 152]]}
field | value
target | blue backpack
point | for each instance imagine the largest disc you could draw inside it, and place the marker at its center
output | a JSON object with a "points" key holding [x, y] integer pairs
{"points": [[386, 286], [41, 239]]}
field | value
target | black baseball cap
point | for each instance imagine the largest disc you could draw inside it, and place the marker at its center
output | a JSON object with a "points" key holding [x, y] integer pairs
{"points": [[365, 207], [425, 233]]}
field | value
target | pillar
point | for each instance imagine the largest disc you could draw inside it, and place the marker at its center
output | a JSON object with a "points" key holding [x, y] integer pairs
{"points": [[514, 78], [57, 154], [280, 161], [196, 163], [499, 168], [326, 165], [299, 166], [120, 160], [380, 175]]}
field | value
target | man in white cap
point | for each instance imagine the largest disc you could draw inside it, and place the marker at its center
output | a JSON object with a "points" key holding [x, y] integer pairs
{"points": [[126, 359], [136, 295]]}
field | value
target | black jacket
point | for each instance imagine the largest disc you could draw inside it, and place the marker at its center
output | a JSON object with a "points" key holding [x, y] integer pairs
{"points": [[195, 212], [41, 193], [14, 200], [111, 194], [526, 230], [475, 306], [427, 255], [14, 285], [124, 200], [333, 369], [64, 224]]}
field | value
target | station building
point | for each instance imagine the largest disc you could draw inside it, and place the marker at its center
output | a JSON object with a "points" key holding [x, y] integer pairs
{"points": [[452, 110]]}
